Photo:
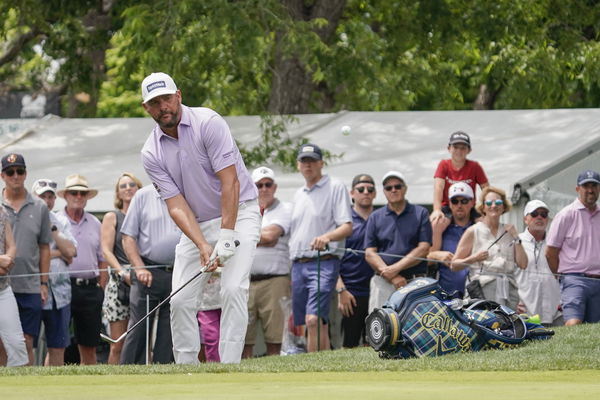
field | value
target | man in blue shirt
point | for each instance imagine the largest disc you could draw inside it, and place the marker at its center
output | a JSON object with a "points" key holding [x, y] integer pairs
{"points": [[403, 231], [447, 234], [355, 272]]}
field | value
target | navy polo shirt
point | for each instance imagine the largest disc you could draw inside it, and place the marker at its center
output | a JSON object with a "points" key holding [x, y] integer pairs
{"points": [[450, 280], [354, 269], [399, 234]]}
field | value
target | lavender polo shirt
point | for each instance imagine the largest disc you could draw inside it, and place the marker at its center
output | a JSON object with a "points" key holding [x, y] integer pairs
{"points": [[576, 232], [89, 253], [188, 165]]}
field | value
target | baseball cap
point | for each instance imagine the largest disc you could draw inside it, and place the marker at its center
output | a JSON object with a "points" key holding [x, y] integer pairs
{"points": [[459, 137], [461, 189], [311, 151], [157, 84], [583, 178], [261, 173], [12, 160], [44, 185], [534, 205], [362, 178], [393, 174]]}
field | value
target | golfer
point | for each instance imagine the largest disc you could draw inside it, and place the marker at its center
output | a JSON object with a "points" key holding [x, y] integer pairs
{"points": [[195, 165]]}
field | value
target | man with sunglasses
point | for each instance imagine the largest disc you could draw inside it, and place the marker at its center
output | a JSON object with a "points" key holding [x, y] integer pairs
{"points": [[31, 227], [539, 292], [88, 270], [574, 252], [321, 218], [355, 273], [270, 272], [402, 231], [447, 234], [56, 313]]}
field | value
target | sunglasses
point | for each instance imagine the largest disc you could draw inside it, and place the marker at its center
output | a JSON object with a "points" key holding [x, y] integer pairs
{"points": [[461, 201], [498, 202], [45, 183], [369, 189], [535, 214], [390, 187], [130, 184], [11, 172], [81, 193], [268, 185]]}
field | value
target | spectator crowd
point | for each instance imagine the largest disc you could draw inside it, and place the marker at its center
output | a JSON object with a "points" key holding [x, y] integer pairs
{"points": [[79, 276]]}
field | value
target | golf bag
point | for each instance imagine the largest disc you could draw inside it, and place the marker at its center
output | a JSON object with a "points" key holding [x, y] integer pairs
{"points": [[421, 319]]}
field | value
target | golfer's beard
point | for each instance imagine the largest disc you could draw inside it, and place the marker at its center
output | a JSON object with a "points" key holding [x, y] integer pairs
{"points": [[171, 123]]}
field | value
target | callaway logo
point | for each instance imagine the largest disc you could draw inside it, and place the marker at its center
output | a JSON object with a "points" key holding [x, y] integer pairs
{"points": [[156, 85], [445, 324]]}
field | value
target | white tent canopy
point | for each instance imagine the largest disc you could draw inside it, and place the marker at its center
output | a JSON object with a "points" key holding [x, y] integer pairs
{"points": [[541, 151]]}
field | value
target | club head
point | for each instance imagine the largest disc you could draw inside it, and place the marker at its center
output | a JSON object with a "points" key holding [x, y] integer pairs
{"points": [[107, 338]]}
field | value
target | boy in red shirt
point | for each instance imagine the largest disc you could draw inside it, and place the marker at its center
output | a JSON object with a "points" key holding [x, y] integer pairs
{"points": [[456, 169]]}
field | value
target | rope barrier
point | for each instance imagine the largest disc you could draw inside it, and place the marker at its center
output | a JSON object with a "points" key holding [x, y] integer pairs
{"points": [[83, 271]]}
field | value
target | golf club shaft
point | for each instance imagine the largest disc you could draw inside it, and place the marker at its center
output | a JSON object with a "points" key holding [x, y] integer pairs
{"points": [[202, 270]]}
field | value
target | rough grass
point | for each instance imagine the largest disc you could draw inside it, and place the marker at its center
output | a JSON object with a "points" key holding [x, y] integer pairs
{"points": [[572, 348]]}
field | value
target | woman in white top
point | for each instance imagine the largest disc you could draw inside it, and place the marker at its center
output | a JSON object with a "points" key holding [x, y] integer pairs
{"points": [[492, 250]]}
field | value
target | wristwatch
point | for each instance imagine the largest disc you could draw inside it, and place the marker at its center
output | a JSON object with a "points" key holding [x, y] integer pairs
{"points": [[44, 284], [340, 290]]}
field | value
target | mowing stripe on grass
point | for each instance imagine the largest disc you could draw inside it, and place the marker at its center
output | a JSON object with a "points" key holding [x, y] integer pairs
{"points": [[547, 385]]}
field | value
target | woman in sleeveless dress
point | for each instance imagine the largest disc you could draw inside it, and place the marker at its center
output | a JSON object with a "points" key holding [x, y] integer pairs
{"points": [[492, 250], [115, 311]]}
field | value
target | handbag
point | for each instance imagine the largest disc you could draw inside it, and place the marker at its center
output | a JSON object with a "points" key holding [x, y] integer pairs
{"points": [[123, 290], [475, 290]]}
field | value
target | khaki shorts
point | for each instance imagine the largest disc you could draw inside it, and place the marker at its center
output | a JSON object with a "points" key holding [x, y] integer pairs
{"points": [[263, 305]]}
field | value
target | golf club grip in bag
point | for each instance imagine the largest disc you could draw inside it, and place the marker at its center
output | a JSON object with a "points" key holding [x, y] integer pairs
{"points": [[421, 319]]}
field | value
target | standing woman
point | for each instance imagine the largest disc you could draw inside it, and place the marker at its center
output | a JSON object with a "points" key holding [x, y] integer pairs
{"points": [[490, 250], [12, 341], [115, 310]]}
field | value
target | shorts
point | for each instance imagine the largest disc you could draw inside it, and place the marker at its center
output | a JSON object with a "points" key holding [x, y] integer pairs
{"points": [[86, 310], [304, 289], [30, 313], [264, 305], [56, 324], [580, 298]]}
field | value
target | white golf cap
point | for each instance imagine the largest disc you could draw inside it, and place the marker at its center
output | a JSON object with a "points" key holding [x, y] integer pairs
{"points": [[461, 189], [261, 173], [534, 205], [44, 185], [393, 174], [157, 84]]}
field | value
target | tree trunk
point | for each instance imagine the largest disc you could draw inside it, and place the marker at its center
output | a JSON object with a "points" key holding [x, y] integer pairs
{"points": [[292, 85], [486, 98]]}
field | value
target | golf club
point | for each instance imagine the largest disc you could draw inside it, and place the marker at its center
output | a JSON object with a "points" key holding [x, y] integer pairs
{"points": [[202, 270]]}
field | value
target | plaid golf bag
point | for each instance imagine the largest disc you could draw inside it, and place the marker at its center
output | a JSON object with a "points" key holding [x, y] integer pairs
{"points": [[421, 319]]}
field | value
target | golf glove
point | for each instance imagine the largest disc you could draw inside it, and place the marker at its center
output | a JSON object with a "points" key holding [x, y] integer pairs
{"points": [[225, 247]]}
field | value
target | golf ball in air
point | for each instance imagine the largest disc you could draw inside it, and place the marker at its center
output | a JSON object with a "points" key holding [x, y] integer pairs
{"points": [[346, 130]]}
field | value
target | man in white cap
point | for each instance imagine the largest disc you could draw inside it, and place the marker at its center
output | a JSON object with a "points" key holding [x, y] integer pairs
{"points": [[194, 163], [401, 229], [321, 218], [270, 273], [88, 269], [446, 235], [539, 291], [56, 313]]}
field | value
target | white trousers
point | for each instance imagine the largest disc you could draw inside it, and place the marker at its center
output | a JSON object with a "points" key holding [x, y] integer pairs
{"points": [[380, 291], [11, 332], [235, 281]]}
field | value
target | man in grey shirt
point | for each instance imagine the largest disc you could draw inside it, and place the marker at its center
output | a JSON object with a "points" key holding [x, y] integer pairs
{"points": [[31, 226], [149, 239]]}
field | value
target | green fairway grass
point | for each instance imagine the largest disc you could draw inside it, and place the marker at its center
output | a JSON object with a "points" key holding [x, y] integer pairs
{"points": [[565, 367]]}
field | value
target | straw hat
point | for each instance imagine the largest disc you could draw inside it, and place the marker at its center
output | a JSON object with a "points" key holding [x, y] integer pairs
{"points": [[77, 182]]}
